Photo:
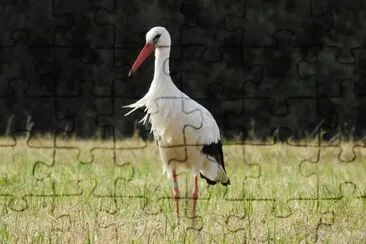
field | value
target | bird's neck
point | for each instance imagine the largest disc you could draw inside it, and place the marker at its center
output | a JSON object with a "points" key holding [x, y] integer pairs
{"points": [[162, 84], [162, 71]]}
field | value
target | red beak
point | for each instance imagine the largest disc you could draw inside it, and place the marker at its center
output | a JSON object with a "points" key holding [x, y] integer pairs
{"points": [[145, 52]]}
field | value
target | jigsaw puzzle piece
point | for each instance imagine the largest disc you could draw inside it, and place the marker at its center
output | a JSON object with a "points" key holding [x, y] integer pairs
{"points": [[267, 129], [248, 220], [20, 64], [331, 186], [114, 173], [216, 49], [28, 202], [340, 37], [128, 15], [255, 224], [298, 25], [249, 168], [340, 222], [198, 76], [229, 224], [54, 218], [11, 121], [124, 87], [57, 176], [85, 33], [335, 89], [61, 228], [108, 221], [65, 216], [98, 95], [35, 19], [17, 185], [345, 127], [76, 76], [28, 112], [303, 224], [269, 186], [109, 230], [360, 89], [333, 78], [277, 81], [210, 30], [37, 107]]}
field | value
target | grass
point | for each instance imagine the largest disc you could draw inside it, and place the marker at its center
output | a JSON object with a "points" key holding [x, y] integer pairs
{"points": [[85, 192]]}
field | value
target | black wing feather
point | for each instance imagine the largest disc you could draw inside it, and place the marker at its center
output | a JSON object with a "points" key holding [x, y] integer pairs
{"points": [[210, 182], [214, 150]]}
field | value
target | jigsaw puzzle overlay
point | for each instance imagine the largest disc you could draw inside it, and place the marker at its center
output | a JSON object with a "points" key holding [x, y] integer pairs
{"points": [[284, 80]]}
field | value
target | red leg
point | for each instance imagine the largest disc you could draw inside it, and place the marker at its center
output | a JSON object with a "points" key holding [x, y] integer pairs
{"points": [[195, 196], [176, 192]]}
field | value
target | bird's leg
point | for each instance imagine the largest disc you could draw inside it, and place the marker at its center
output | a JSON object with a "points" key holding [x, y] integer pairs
{"points": [[195, 195], [176, 192]]}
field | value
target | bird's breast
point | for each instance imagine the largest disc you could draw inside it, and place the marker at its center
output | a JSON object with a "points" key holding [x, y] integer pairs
{"points": [[175, 128], [175, 118]]}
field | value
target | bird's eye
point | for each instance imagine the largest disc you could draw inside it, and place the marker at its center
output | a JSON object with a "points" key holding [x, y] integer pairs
{"points": [[156, 38]]}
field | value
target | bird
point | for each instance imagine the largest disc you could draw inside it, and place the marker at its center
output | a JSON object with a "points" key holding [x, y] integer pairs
{"points": [[187, 134]]}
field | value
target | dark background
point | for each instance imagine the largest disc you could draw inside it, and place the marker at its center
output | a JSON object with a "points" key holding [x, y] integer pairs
{"points": [[263, 68]]}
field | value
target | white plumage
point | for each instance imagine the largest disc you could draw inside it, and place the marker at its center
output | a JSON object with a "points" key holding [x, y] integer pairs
{"points": [[187, 134]]}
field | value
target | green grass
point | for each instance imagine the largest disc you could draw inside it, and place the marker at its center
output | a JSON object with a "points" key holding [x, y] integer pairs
{"points": [[85, 196]]}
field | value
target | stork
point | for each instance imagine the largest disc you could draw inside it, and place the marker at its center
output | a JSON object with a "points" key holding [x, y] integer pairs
{"points": [[186, 133]]}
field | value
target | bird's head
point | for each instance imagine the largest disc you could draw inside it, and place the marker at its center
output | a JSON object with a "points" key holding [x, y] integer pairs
{"points": [[156, 37]]}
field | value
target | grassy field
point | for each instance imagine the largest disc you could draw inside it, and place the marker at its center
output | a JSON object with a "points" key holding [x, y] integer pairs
{"points": [[86, 192]]}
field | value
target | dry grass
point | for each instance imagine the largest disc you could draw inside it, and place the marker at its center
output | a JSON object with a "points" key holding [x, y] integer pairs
{"points": [[92, 193]]}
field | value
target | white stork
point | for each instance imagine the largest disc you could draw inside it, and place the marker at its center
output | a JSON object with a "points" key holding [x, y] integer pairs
{"points": [[187, 134]]}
